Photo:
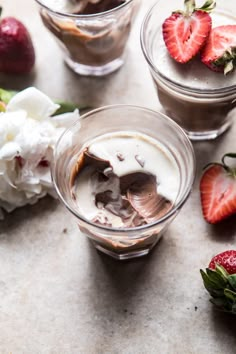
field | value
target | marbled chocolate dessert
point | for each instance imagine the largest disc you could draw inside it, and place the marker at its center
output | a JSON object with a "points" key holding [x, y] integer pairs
{"points": [[88, 38], [124, 180]]}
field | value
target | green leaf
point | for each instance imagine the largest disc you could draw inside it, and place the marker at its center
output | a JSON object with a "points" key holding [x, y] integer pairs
{"points": [[229, 67], [222, 271], [2, 106], [230, 294], [216, 278], [210, 286], [68, 107], [208, 6], [6, 95], [205, 278], [232, 280], [220, 302]]}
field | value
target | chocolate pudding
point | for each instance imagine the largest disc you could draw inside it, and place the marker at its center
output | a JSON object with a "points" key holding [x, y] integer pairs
{"points": [[124, 180], [122, 186], [124, 172], [90, 7], [91, 33]]}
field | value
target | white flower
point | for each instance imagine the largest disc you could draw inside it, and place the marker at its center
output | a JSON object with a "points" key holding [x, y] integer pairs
{"points": [[28, 135]]}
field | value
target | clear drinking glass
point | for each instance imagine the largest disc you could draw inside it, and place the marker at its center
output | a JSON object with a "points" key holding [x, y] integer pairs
{"points": [[92, 44], [199, 100], [123, 243]]}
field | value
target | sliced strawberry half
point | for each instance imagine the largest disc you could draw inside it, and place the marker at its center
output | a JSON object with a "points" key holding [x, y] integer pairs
{"points": [[219, 51], [185, 32], [218, 191]]}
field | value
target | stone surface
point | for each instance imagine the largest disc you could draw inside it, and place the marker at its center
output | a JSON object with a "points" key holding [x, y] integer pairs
{"points": [[58, 294]]}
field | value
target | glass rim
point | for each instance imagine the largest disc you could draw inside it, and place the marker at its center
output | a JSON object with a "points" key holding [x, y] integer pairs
{"points": [[122, 230], [211, 92], [79, 16]]}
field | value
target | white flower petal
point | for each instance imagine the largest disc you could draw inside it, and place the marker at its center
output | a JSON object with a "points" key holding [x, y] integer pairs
{"points": [[66, 119], [10, 125], [34, 102], [10, 150], [28, 131]]}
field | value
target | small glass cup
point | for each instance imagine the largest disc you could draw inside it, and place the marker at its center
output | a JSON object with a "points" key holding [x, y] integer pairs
{"points": [[93, 44], [123, 243], [198, 99]]}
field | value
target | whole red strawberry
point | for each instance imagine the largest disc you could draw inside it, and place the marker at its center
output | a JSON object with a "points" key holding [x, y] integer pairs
{"points": [[185, 32], [17, 55], [219, 52], [218, 191], [226, 259], [220, 280]]}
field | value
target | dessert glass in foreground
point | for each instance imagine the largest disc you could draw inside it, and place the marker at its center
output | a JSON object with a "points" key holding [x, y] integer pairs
{"points": [[92, 34], [199, 100], [124, 172]]}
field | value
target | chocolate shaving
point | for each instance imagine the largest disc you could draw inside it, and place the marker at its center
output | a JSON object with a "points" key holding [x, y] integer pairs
{"points": [[140, 160], [144, 198], [120, 156], [87, 159]]}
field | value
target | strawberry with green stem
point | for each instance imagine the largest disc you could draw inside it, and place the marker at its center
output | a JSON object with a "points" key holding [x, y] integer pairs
{"points": [[218, 190], [185, 32], [219, 51], [220, 281]]}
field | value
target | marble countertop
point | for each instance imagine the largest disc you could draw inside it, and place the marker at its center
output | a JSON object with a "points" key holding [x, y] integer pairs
{"points": [[58, 295]]}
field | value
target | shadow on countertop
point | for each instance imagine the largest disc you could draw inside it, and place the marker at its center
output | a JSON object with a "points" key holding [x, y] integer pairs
{"points": [[224, 322], [12, 220], [225, 231], [127, 278]]}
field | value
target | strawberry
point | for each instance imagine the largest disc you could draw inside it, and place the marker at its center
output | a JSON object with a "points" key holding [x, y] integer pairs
{"points": [[185, 32], [220, 281], [218, 191], [219, 51], [226, 259], [17, 55]]}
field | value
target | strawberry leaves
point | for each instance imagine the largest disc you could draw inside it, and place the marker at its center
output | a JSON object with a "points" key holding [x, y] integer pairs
{"points": [[208, 6], [222, 287]]}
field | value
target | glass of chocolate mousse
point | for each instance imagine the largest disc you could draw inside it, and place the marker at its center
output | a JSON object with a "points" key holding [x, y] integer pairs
{"points": [[91, 33], [124, 172], [200, 100]]}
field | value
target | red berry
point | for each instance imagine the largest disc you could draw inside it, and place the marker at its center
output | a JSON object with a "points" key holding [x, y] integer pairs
{"points": [[185, 35], [17, 55], [226, 259], [220, 48], [218, 193]]}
